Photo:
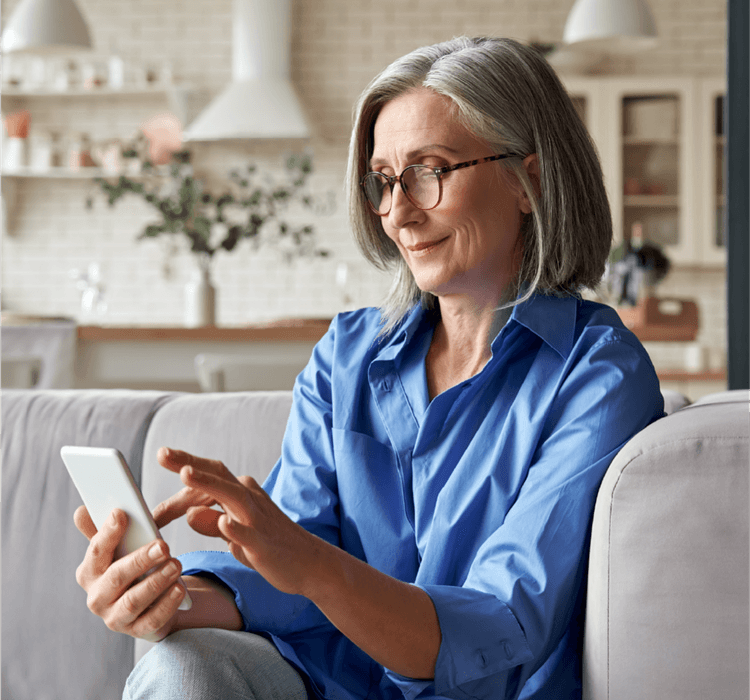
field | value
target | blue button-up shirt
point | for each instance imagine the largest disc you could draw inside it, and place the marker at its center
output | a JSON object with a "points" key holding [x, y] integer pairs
{"points": [[482, 497]]}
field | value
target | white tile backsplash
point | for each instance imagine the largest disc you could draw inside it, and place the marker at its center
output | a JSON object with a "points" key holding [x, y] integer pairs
{"points": [[338, 45]]}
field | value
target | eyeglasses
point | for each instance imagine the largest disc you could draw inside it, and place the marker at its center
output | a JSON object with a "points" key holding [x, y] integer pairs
{"points": [[422, 184]]}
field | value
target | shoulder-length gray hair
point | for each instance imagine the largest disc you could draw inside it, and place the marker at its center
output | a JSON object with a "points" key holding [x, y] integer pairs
{"points": [[506, 94]]}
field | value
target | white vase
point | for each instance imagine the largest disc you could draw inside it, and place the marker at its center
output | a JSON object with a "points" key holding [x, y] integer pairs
{"points": [[200, 298]]}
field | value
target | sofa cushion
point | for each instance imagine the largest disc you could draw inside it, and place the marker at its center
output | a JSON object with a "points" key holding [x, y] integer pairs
{"points": [[667, 602]]}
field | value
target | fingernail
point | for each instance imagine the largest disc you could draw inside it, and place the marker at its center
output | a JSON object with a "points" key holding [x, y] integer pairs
{"points": [[170, 570], [113, 518], [155, 551], [167, 452]]}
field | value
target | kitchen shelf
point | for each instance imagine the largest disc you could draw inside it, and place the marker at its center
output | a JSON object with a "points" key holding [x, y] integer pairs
{"points": [[176, 97], [133, 91], [85, 173], [650, 141]]}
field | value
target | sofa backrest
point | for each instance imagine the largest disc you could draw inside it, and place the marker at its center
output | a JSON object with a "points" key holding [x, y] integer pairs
{"points": [[667, 604], [244, 430]]}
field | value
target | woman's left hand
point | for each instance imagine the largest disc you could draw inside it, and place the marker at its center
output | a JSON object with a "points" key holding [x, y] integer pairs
{"points": [[259, 534]]}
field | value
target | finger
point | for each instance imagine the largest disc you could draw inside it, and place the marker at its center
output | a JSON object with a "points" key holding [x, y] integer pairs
{"points": [[152, 625], [177, 505], [84, 523], [102, 546], [141, 596], [239, 537], [175, 460], [101, 550], [205, 521], [126, 572], [231, 495]]}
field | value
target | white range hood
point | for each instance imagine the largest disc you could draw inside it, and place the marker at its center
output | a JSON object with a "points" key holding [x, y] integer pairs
{"points": [[260, 102]]}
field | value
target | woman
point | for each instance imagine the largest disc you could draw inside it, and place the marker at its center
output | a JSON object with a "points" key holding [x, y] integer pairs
{"points": [[424, 533]]}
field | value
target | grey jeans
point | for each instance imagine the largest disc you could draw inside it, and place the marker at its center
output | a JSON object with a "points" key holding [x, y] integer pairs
{"points": [[199, 664]]}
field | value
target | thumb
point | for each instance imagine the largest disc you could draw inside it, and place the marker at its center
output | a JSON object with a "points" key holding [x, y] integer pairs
{"points": [[205, 521]]}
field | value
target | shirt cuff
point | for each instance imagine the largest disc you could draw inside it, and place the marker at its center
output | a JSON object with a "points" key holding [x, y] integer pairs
{"points": [[263, 607], [481, 638]]}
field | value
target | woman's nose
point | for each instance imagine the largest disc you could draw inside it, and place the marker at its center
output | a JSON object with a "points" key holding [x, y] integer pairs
{"points": [[402, 211]]}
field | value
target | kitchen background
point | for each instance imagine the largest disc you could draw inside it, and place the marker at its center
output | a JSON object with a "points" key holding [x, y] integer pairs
{"points": [[336, 47]]}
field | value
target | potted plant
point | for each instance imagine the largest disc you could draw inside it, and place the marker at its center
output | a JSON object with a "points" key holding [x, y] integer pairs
{"points": [[250, 209]]}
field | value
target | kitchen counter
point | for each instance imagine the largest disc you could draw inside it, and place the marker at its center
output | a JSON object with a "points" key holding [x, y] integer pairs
{"points": [[148, 357], [277, 331]]}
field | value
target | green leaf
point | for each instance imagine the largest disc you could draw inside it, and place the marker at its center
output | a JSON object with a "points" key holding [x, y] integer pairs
{"points": [[152, 231]]}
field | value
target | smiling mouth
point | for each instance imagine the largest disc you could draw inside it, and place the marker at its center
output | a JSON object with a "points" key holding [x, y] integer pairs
{"points": [[426, 247]]}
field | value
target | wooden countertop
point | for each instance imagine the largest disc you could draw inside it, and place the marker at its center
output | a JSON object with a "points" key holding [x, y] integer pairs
{"points": [[290, 330]]}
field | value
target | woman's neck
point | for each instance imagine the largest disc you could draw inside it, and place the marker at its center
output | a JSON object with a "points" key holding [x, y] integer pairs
{"points": [[461, 343]]}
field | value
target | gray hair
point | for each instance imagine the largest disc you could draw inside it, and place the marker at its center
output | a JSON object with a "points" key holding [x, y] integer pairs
{"points": [[506, 94]]}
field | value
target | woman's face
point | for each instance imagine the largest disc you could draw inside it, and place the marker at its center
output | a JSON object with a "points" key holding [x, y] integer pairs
{"points": [[470, 243]]}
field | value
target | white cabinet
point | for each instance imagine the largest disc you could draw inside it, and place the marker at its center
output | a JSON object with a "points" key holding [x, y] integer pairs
{"points": [[661, 145]]}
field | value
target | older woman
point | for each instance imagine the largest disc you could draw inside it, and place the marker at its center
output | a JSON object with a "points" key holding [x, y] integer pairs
{"points": [[424, 533]]}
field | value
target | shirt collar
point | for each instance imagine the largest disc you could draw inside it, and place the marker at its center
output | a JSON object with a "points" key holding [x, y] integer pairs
{"points": [[400, 336], [551, 318]]}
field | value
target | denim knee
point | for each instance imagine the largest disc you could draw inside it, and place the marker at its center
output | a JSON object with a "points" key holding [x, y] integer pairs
{"points": [[199, 664]]}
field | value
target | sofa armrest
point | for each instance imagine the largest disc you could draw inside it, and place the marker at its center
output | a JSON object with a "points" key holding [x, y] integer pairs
{"points": [[52, 644], [667, 603]]}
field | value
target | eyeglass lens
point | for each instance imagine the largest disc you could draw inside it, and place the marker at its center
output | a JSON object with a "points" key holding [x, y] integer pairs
{"points": [[420, 183]]}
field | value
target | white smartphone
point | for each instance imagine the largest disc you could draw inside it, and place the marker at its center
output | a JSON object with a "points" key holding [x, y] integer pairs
{"points": [[105, 482]]}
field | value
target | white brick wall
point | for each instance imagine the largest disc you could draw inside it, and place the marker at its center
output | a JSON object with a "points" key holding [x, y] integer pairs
{"points": [[338, 45]]}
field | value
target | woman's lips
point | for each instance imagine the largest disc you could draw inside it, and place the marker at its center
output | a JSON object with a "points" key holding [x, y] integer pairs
{"points": [[424, 248]]}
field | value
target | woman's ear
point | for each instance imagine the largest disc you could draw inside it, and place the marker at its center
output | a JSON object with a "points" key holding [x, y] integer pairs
{"points": [[531, 165]]}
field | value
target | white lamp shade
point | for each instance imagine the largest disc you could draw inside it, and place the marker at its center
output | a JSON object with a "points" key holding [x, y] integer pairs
{"points": [[46, 27], [611, 25]]}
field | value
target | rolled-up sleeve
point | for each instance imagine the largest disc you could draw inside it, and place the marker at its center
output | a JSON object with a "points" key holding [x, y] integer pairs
{"points": [[481, 636], [303, 485]]}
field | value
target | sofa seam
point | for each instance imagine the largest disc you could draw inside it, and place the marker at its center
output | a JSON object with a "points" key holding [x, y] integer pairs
{"points": [[156, 406]]}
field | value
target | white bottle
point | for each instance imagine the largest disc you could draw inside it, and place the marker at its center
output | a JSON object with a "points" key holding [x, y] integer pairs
{"points": [[200, 299], [116, 73]]}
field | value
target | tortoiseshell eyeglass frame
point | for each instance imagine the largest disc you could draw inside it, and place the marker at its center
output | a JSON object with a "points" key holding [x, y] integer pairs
{"points": [[439, 172]]}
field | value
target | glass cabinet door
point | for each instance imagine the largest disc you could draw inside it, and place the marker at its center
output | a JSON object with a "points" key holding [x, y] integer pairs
{"points": [[654, 183], [651, 162]]}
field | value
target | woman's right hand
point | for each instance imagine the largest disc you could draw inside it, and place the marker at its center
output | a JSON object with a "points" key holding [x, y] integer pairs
{"points": [[145, 609]]}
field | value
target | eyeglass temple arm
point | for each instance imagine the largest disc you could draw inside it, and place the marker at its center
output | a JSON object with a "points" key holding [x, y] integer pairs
{"points": [[469, 163]]}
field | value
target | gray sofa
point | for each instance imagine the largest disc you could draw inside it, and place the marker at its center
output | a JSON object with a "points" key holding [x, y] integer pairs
{"points": [[667, 607]]}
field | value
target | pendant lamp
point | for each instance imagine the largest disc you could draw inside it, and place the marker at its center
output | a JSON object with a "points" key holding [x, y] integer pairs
{"points": [[611, 26], [46, 27]]}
